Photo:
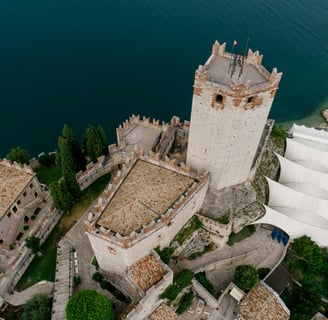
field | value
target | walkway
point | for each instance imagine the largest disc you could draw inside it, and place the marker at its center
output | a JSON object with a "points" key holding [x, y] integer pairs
{"points": [[258, 250]]}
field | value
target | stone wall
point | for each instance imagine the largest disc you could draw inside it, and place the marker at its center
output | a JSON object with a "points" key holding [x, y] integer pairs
{"points": [[122, 252], [151, 301], [204, 294]]}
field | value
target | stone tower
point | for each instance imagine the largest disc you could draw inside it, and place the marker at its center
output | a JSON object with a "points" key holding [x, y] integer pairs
{"points": [[232, 98]]}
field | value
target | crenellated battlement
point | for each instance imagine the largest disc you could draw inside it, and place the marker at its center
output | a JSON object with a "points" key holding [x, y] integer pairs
{"points": [[92, 225], [17, 166]]}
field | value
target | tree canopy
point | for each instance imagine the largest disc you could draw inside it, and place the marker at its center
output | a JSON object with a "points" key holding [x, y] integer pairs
{"points": [[33, 243], [95, 143], [19, 155], [63, 199], [69, 155], [304, 246], [37, 308], [246, 277], [89, 304]]}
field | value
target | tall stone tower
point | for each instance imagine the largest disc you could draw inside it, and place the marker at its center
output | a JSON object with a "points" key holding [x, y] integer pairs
{"points": [[232, 98]]}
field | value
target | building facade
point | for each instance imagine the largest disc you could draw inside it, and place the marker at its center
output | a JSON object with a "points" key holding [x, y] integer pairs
{"points": [[21, 198], [232, 98]]}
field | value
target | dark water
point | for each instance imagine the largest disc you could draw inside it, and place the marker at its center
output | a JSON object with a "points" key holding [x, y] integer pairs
{"points": [[97, 62]]}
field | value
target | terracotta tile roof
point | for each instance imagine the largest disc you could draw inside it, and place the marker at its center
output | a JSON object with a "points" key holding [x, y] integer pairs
{"points": [[163, 312], [262, 303], [146, 272], [146, 193], [12, 182]]}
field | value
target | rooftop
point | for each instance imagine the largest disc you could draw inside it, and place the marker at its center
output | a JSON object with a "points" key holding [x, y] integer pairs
{"points": [[147, 192], [163, 312], [12, 182], [219, 71], [263, 303], [146, 272], [141, 136]]}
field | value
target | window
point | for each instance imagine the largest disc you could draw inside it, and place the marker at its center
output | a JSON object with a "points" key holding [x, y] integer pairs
{"points": [[26, 219], [18, 202], [15, 209], [31, 185], [219, 98], [9, 214], [19, 236], [24, 194], [35, 194], [250, 100]]}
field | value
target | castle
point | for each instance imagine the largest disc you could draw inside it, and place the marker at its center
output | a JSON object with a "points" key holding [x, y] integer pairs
{"points": [[165, 170]]}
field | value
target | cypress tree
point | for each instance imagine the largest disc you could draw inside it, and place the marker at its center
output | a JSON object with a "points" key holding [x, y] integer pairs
{"points": [[63, 199], [95, 143], [103, 139]]}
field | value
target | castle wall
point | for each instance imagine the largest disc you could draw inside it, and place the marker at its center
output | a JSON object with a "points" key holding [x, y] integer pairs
{"points": [[113, 257], [150, 300]]}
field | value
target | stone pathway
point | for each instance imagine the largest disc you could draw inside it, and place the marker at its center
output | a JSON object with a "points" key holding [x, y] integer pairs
{"points": [[258, 250], [19, 298]]}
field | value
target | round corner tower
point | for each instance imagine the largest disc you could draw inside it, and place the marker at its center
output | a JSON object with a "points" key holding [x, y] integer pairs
{"points": [[232, 98]]}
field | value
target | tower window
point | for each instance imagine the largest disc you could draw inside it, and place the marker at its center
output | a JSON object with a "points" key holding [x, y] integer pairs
{"points": [[250, 100], [219, 98]]}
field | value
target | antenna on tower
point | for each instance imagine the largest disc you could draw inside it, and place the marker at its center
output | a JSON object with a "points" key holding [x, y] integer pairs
{"points": [[233, 60], [244, 57]]}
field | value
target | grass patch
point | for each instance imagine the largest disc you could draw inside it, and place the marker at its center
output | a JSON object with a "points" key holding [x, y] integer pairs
{"points": [[223, 219], [89, 195], [185, 232], [42, 267], [47, 175], [241, 235]]}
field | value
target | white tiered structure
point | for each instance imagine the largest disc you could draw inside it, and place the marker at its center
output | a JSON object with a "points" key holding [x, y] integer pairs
{"points": [[231, 101]]}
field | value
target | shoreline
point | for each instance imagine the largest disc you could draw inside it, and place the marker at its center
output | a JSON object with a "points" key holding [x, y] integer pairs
{"points": [[318, 119]]}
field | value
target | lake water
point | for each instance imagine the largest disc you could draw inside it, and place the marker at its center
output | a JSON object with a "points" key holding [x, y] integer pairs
{"points": [[96, 62]]}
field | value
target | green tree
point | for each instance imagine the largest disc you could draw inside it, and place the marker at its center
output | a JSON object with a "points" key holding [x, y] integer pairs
{"points": [[165, 254], [185, 302], [63, 200], [37, 308], [19, 155], [95, 143], [103, 139], [33, 243], [184, 278], [89, 304], [246, 277], [304, 246], [72, 185], [316, 263], [69, 154]]}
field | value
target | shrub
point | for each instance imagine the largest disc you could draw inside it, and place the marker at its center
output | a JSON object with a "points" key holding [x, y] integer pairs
{"points": [[201, 277], [89, 304], [33, 217], [77, 279], [170, 293], [165, 254], [26, 227], [184, 278], [97, 276], [246, 277], [37, 308], [185, 302]]}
